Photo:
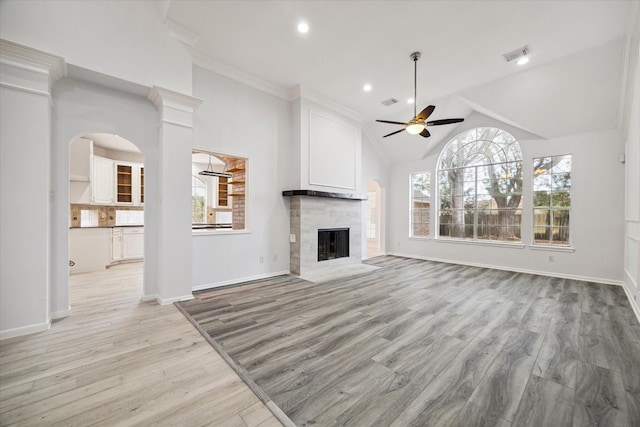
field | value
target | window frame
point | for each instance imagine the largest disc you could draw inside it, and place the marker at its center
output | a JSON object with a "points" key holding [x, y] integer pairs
{"points": [[550, 207], [473, 147], [411, 207]]}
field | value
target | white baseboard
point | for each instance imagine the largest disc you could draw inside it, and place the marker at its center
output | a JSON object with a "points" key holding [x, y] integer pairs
{"points": [[238, 281], [61, 313], [25, 330], [166, 301], [516, 270]]}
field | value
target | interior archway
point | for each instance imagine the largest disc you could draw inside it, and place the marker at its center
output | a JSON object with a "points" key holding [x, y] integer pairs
{"points": [[106, 203]]}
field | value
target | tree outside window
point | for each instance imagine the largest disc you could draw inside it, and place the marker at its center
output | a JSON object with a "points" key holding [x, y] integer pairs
{"points": [[480, 187], [420, 204], [551, 200]]}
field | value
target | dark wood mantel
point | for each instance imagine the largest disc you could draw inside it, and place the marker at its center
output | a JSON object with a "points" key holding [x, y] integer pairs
{"points": [[326, 194]]}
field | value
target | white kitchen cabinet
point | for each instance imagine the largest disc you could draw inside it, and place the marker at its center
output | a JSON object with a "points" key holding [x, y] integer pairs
{"points": [[133, 243], [129, 183], [127, 243], [88, 249], [116, 244], [102, 181]]}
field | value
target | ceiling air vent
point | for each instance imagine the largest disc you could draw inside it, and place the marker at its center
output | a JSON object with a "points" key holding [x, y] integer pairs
{"points": [[389, 101]]}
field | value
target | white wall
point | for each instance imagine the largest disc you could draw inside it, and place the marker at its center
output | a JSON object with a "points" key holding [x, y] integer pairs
{"points": [[374, 169], [24, 208], [596, 221], [239, 120], [123, 39], [81, 108], [632, 175]]}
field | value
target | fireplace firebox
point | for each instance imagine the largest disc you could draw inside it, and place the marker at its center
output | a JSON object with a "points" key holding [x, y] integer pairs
{"points": [[333, 243]]}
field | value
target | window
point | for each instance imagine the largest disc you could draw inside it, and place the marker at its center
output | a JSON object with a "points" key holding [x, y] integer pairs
{"points": [[551, 200], [420, 204], [480, 187], [198, 200]]}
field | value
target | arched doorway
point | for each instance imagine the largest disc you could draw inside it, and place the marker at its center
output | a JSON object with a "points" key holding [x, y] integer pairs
{"points": [[375, 215], [106, 203]]}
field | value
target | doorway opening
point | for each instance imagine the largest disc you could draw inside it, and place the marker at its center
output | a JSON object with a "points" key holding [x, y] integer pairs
{"points": [[106, 204]]}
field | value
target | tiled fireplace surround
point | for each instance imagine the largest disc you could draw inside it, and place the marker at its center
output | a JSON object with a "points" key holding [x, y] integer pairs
{"points": [[313, 210]]}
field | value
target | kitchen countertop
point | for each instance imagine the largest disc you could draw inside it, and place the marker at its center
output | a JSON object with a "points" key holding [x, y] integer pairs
{"points": [[110, 226]]}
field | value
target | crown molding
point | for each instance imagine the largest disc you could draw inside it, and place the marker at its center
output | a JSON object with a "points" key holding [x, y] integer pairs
{"points": [[180, 32], [33, 61], [175, 107], [300, 92], [240, 76]]}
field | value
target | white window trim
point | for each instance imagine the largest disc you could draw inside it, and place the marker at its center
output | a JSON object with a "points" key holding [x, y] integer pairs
{"points": [[545, 246]]}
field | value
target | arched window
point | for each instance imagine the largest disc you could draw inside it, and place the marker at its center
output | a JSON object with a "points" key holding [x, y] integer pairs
{"points": [[198, 200], [480, 187]]}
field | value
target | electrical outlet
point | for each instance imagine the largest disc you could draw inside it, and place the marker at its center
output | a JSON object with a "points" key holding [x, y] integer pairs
{"points": [[261, 260], [275, 258], [551, 258], [292, 238]]}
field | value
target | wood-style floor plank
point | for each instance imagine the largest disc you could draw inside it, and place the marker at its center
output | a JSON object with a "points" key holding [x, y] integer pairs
{"points": [[419, 343], [119, 361]]}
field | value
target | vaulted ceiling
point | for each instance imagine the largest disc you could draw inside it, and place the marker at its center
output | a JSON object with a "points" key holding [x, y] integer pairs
{"points": [[572, 84]]}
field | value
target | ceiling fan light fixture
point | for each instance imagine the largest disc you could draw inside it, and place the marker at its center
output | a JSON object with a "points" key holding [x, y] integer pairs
{"points": [[415, 128]]}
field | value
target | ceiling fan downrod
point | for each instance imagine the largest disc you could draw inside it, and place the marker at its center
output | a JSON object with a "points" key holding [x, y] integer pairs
{"points": [[415, 56]]}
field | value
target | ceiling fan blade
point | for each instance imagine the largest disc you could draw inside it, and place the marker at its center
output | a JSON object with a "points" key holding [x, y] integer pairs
{"points": [[425, 133], [443, 122], [393, 133], [424, 114], [393, 123]]}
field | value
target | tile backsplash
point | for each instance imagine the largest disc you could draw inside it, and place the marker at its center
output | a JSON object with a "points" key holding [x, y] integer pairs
{"points": [[103, 216]]}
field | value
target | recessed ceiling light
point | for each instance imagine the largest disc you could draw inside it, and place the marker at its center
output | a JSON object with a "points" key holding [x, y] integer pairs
{"points": [[367, 88], [410, 101], [303, 27]]}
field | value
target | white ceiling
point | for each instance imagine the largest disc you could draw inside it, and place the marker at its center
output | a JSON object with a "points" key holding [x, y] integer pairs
{"points": [[462, 70]]}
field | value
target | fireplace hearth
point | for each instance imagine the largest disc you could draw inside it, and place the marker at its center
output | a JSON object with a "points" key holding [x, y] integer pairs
{"points": [[333, 243]]}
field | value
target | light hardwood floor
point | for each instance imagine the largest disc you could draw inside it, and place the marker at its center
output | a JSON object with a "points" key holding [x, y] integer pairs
{"points": [[418, 343], [119, 361]]}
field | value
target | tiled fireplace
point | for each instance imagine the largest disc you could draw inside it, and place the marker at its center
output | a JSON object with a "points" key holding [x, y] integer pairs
{"points": [[312, 212]]}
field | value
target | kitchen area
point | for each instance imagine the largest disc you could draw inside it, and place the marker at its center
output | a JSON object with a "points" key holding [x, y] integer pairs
{"points": [[106, 202]]}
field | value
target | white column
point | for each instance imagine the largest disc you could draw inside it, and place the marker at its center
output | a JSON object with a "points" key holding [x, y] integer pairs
{"points": [[26, 78], [174, 195]]}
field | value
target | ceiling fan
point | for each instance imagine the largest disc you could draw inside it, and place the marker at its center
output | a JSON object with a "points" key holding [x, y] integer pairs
{"points": [[419, 123]]}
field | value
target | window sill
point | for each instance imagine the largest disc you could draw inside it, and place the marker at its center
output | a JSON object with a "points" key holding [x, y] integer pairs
{"points": [[481, 243], [210, 232], [552, 248]]}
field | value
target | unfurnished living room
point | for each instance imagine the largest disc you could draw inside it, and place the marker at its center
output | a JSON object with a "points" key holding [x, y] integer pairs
{"points": [[320, 213]]}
